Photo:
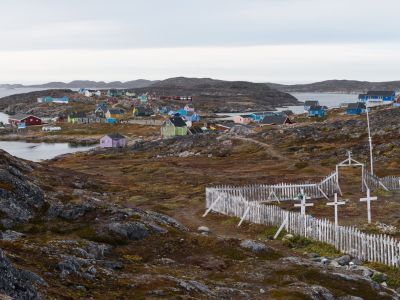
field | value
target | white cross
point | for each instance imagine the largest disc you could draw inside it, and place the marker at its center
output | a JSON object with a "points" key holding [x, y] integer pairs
{"points": [[303, 204], [368, 200], [336, 204]]}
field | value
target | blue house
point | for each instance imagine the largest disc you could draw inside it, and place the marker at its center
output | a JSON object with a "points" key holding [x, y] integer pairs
{"points": [[317, 111], [378, 96], [309, 103], [192, 116], [356, 108]]}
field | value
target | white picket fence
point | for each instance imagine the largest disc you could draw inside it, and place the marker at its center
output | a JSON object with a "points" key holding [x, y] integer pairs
{"points": [[261, 192], [367, 247], [390, 183]]}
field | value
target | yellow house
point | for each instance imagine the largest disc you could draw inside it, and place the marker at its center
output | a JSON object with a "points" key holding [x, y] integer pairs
{"points": [[115, 113]]}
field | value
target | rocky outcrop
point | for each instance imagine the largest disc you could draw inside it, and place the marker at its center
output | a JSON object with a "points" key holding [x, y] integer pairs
{"points": [[20, 196], [16, 283]]}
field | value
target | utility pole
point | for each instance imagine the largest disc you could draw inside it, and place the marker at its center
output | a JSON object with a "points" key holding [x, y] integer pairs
{"points": [[370, 141]]}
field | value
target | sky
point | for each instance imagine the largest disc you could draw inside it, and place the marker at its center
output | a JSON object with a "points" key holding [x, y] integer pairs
{"points": [[285, 41]]}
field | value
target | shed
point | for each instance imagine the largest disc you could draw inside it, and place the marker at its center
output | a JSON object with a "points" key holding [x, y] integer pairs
{"points": [[114, 140], [317, 111]]}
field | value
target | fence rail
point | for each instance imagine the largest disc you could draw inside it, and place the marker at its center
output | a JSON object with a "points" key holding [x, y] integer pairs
{"points": [[282, 191], [390, 183], [368, 247]]}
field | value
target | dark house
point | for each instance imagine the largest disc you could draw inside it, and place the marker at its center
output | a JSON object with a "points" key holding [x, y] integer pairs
{"points": [[308, 104], [356, 108], [143, 111], [276, 120]]}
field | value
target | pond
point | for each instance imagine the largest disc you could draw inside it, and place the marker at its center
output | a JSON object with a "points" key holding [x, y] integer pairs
{"points": [[40, 151]]}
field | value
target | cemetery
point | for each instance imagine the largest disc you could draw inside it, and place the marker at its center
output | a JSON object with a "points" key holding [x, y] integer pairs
{"points": [[261, 204]]}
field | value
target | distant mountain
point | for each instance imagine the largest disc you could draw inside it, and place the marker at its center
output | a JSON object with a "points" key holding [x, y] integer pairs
{"points": [[337, 86], [222, 96], [86, 84]]}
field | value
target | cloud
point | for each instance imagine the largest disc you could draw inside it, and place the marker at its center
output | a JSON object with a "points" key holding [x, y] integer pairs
{"points": [[119, 24], [257, 63]]}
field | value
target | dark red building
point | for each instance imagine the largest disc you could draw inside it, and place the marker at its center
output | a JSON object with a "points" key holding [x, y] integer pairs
{"points": [[29, 120]]}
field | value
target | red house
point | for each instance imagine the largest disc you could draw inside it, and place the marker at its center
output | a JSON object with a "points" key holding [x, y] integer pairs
{"points": [[29, 120]]}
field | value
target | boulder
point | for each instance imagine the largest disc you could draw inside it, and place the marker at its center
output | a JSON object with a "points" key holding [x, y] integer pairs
{"points": [[204, 229], [343, 260], [129, 230], [254, 246]]}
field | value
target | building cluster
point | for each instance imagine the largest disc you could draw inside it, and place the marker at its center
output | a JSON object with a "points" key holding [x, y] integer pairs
{"points": [[264, 118]]}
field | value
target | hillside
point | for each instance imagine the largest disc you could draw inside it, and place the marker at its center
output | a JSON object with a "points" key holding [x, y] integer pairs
{"points": [[222, 96], [337, 86]]}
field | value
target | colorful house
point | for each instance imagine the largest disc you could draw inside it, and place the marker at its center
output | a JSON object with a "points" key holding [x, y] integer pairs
{"points": [[115, 93], [174, 126], [317, 111], [276, 120], [28, 120], [115, 113], [191, 116], [189, 107], [309, 103], [101, 110], [356, 108], [143, 98], [115, 140], [242, 119], [130, 94], [378, 96]]}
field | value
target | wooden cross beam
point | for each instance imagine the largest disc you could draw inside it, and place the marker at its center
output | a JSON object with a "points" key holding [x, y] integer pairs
{"points": [[368, 199], [336, 203]]}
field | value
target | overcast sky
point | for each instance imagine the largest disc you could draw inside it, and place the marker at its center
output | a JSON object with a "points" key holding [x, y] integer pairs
{"points": [[256, 40]]}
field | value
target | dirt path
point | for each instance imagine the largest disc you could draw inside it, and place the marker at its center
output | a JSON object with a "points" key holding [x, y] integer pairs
{"points": [[270, 149]]}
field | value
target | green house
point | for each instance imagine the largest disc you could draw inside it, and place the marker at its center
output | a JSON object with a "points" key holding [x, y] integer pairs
{"points": [[175, 126]]}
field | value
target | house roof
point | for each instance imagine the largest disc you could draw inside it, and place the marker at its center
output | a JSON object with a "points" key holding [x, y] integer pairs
{"points": [[116, 111], [317, 107], [311, 103], [274, 120], [178, 122], [20, 117], [245, 116], [356, 105], [115, 136], [380, 93]]}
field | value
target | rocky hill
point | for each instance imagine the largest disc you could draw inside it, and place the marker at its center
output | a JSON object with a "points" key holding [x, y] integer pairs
{"points": [[86, 84], [338, 86], [222, 96]]}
